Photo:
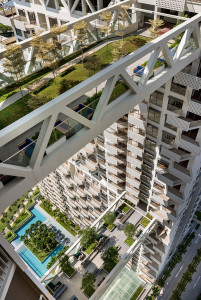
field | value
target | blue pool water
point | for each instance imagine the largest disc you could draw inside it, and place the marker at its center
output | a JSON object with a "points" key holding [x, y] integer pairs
{"points": [[38, 267], [21, 231]]}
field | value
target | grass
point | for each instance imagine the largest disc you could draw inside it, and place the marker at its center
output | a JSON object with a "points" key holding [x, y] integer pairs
{"points": [[129, 241], [91, 248], [109, 266], [137, 293], [126, 208], [24, 216], [110, 226], [89, 290], [198, 214], [144, 222], [67, 227], [40, 254], [50, 212], [69, 271], [20, 108]]}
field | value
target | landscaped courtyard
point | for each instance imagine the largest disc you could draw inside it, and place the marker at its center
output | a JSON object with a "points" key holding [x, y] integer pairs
{"points": [[96, 265]]}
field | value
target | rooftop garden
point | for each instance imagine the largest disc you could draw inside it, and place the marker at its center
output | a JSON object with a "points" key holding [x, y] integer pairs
{"points": [[39, 240], [129, 231], [63, 82]]}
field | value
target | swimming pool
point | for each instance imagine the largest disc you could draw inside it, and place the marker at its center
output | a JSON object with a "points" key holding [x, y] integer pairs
{"points": [[40, 268], [21, 231]]}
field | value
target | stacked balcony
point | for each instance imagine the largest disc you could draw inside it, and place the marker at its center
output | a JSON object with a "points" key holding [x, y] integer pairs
{"points": [[136, 119], [176, 155]]}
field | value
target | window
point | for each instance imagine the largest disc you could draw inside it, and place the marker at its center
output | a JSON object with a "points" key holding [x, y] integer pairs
{"points": [[18, 32]]}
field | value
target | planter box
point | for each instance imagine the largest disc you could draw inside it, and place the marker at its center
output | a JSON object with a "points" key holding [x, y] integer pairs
{"points": [[112, 228], [159, 70], [71, 274]]}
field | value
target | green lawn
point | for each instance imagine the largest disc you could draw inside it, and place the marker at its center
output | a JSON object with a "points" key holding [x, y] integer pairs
{"points": [[91, 248], [110, 226], [126, 208], [129, 241], [137, 293], [50, 212], [20, 108], [41, 255], [24, 216], [67, 227], [145, 221], [198, 214]]}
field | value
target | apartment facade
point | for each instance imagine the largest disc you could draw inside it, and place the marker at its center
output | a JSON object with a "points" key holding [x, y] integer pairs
{"points": [[153, 154]]}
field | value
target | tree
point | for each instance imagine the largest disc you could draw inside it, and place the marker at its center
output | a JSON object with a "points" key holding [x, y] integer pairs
{"points": [[122, 17], [129, 230], [64, 263], [36, 101], [109, 218], [93, 63], [56, 31], [155, 27], [167, 273], [187, 276], [46, 52], [88, 236], [107, 28], [155, 290], [88, 279], [161, 282], [14, 62], [80, 31], [110, 255], [119, 51]]}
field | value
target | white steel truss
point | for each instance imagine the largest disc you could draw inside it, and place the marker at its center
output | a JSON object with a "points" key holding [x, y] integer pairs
{"points": [[42, 160]]}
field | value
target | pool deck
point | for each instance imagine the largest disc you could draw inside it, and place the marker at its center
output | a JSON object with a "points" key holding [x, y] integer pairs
{"points": [[51, 220]]}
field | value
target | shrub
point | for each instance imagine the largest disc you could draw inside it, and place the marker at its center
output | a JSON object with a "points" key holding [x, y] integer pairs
{"points": [[67, 71]]}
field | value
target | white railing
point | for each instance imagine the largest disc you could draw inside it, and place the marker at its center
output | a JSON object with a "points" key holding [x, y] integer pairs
{"points": [[41, 164]]}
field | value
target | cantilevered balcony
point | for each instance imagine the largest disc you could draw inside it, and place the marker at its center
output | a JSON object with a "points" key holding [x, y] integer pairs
{"points": [[115, 149], [183, 123], [132, 198], [132, 190], [116, 179], [156, 257], [181, 172], [176, 155], [158, 215], [135, 147], [136, 134], [116, 170], [115, 160], [134, 159], [149, 248], [160, 248], [195, 105], [133, 181], [147, 256], [163, 235], [189, 144], [175, 195], [161, 198], [133, 171], [152, 237], [137, 120], [170, 213], [154, 266], [169, 179]]}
